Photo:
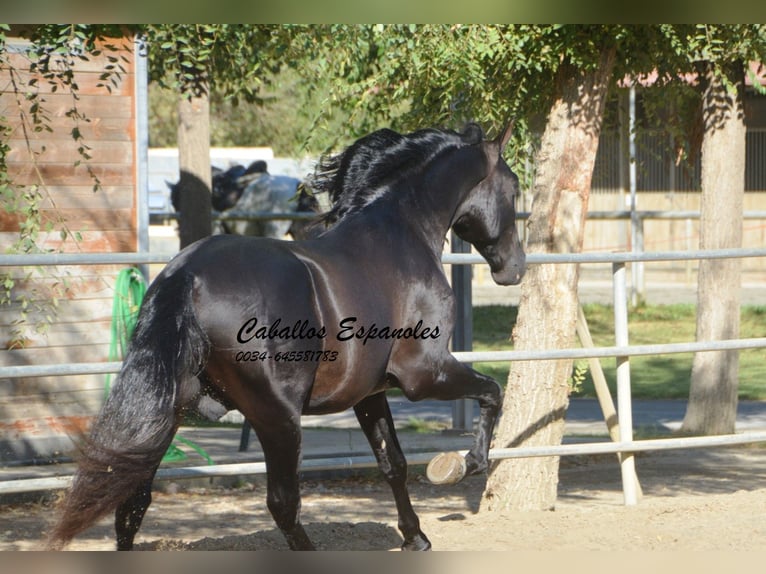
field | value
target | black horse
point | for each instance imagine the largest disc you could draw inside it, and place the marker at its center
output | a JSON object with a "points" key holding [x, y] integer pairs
{"points": [[277, 329]]}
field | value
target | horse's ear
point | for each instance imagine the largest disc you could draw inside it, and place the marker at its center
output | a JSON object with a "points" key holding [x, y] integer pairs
{"points": [[505, 136]]}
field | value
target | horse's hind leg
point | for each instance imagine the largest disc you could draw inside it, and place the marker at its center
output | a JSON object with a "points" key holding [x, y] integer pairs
{"points": [[280, 439], [374, 416], [128, 516]]}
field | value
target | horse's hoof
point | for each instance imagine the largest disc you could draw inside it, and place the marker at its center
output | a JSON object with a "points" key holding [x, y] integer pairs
{"points": [[473, 466], [419, 544], [446, 468]]}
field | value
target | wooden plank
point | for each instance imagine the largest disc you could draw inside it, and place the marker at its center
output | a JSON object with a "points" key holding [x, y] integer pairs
{"points": [[66, 313], [90, 106], [102, 219], [85, 401], [9, 222], [58, 334], [96, 242], [93, 82], [106, 197], [88, 345], [69, 289], [70, 271], [43, 425], [66, 174], [80, 207], [57, 390], [55, 355], [107, 220], [73, 296], [29, 418], [66, 151], [88, 392], [68, 327], [63, 330], [72, 304], [92, 63], [67, 282], [115, 241], [27, 421], [102, 129]]}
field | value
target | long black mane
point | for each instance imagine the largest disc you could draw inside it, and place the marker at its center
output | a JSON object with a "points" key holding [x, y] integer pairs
{"points": [[365, 170]]}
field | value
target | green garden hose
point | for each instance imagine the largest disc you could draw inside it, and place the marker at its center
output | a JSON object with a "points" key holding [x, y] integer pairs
{"points": [[129, 291]]}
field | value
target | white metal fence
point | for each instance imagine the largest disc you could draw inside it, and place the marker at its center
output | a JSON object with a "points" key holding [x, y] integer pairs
{"points": [[626, 444]]}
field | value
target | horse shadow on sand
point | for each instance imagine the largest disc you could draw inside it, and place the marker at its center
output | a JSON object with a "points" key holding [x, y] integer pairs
{"points": [[326, 536]]}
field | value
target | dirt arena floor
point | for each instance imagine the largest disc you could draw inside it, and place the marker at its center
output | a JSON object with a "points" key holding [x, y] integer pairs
{"points": [[693, 500]]}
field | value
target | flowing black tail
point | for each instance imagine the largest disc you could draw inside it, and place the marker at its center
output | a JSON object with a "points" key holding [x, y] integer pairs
{"points": [[139, 418]]}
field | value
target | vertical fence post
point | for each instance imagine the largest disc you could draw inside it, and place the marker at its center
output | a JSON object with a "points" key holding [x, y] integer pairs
{"points": [[635, 220], [142, 151], [462, 336], [624, 407], [638, 294]]}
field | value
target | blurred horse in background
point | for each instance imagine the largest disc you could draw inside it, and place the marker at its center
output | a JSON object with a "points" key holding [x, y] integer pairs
{"points": [[253, 189]]}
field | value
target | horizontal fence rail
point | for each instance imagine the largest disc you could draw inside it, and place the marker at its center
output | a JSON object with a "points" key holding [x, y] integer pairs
{"points": [[418, 458], [103, 368], [165, 216], [157, 217], [35, 259], [623, 446]]}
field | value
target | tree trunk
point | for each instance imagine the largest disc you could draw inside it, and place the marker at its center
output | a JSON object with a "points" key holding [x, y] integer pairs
{"points": [[537, 394], [194, 163], [712, 407]]}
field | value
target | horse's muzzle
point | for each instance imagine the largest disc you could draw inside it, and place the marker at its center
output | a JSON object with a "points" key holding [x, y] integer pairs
{"points": [[511, 275], [511, 272]]}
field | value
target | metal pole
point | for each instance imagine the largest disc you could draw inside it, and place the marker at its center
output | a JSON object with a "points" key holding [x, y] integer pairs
{"points": [[624, 408], [342, 463], [639, 285], [462, 336], [635, 240], [447, 258], [70, 369], [142, 149]]}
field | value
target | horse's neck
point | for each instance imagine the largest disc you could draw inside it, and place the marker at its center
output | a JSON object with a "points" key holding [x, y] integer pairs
{"points": [[418, 211], [431, 203]]}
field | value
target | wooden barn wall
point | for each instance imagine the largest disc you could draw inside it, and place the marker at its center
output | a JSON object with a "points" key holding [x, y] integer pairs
{"points": [[38, 414]]}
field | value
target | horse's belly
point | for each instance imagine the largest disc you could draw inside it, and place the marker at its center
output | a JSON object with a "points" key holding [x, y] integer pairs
{"points": [[340, 384]]}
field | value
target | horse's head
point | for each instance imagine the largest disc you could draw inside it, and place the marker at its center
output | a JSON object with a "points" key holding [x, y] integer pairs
{"points": [[487, 217]]}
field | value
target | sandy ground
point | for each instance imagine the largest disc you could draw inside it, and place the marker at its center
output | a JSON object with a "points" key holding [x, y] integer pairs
{"points": [[693, 500]]}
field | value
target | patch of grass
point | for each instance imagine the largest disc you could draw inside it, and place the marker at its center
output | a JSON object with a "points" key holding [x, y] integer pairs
{"points": [[415, 424], [652, 377]]}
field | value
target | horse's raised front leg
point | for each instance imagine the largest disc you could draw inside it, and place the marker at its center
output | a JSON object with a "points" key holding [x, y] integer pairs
{"points": [[456, 381], [490, 400], [374, 417]]}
